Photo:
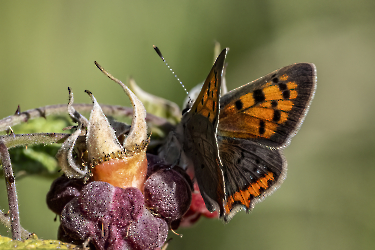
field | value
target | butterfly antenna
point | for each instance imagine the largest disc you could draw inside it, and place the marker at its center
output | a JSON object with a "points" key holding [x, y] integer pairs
{"points": [[169, 67]]}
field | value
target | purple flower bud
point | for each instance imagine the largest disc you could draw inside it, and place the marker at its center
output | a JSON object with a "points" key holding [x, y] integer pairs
{"points": [[148, 232], [103, 213], [62, 191], [127, 206], [96, 199], [168, 194], [77, 227]]}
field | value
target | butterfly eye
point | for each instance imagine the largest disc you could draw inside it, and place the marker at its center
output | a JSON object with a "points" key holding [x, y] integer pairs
{"points": [[185, 110]]}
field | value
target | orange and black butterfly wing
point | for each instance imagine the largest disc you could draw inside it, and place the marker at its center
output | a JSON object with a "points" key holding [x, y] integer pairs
{"points": [[263, 116], [200, 142], [271, 109], [251, 172]]}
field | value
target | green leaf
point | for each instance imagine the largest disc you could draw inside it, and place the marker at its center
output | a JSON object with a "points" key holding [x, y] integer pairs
{"points": [[39, 159]]}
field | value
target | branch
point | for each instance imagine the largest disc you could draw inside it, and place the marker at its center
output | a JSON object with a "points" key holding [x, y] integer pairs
{"points": [[62, 109], [11, 191], [4, 219], [14, 140]]}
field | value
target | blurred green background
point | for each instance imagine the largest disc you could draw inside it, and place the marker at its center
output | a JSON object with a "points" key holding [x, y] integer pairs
{"points": [[327, 201]]}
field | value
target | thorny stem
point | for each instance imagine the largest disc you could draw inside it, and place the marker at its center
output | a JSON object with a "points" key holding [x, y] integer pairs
{"points": [[111, 110], [12, 193], [14, 140], [4, 219], [10, 141]]}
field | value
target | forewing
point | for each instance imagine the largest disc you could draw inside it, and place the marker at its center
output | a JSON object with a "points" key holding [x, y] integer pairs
{"points": [[271, 109]]}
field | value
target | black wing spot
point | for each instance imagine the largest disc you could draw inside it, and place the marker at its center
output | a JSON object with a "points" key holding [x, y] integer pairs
{"points": [[286, 94], [274, 104], [259, 96], [238, 104], [276, 115], [282, 86], [275, 80], [262, 129], [213, 105]]}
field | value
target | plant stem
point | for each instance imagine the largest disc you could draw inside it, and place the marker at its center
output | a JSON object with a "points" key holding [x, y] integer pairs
{"points": [[4, 219], [15, 140], [63, 109], [12, 192]]}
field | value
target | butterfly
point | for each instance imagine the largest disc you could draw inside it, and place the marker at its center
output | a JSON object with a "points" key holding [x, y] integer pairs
{"points": [[235, 141]]}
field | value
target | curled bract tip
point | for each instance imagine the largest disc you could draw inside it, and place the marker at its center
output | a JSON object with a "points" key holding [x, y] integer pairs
{"points": [[136, 134]]}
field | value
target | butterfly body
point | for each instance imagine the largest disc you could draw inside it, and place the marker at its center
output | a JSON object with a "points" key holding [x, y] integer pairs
{"points": [[235, 141]]}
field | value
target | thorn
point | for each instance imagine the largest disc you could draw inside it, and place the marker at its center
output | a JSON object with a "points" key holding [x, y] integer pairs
{"points": [[10, 131], [18, 111], [43, 113]]}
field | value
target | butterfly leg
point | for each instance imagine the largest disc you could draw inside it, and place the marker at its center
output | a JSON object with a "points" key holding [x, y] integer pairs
{"points": [[172, 152]]}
